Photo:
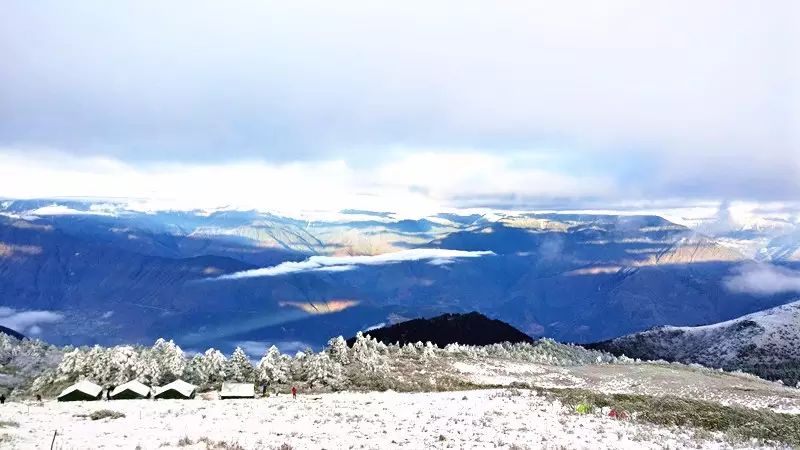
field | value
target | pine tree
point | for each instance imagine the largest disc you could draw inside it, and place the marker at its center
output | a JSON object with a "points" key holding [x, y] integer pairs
{"points": [[364, 354], [123, 361], [273, 367], [162, 364], [239, 367], [337, 350], [214, 367], [195, 373], [320, 369]]}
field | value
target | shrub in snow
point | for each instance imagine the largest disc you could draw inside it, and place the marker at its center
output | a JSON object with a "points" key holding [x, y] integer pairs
{"points": [[429, 350]]}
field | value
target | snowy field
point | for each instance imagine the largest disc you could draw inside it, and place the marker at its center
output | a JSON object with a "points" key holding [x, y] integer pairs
{"points": [[498, 418], [646, 379], [510, 402]]}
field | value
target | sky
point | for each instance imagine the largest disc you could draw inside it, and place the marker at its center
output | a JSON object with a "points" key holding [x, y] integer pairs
{"points": [[408, 105]]}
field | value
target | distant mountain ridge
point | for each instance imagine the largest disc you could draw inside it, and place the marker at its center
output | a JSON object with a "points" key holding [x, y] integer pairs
{"points": [[572, 277], [10, 332], [467, 329], [766, 343]]}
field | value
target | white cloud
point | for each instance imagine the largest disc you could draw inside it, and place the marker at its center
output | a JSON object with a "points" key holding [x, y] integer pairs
{"points": [[374, 327], [410, 184], [61, 210], [27, 321], [698, 98], [256, 349], [764, 279], [340, 263]]}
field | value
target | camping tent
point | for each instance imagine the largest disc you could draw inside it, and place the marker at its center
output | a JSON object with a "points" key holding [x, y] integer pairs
{"points": [[83, 390], [177, 389], [130, 390], [237, 390]]}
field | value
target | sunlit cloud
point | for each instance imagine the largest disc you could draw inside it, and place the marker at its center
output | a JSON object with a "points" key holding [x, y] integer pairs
{"points": [[326, 307], [8, 250]]}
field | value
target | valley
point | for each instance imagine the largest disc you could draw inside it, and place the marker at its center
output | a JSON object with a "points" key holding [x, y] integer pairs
{"points": [[573, 277]]}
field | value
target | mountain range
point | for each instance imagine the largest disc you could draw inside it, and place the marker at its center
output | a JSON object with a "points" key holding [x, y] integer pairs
{"points": [[766, 343], [107, 273]]}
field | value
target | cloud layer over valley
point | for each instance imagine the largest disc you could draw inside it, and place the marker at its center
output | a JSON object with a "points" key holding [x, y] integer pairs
{"points": [[435, 256]]}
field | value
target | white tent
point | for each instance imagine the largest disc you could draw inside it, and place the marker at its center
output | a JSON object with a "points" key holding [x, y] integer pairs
{"points": [[237, 390], [130, 390], [82, 390], [177, 389]]}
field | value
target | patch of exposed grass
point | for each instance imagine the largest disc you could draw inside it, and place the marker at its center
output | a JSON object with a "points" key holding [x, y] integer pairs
{"points": [[215, 445], [735, 421], [105, 414]]}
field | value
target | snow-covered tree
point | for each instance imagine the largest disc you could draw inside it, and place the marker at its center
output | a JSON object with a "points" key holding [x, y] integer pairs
{"points": [[298, 366], [161, 364], [194, 371], [320, 369], [123, 362], [239, 367], [337, 350], [214, 366], [429, 350], [409, 350], [273, 368], [365, 355]]}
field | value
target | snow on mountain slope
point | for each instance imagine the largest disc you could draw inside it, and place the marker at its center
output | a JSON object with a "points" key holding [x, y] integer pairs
{"points": [[766, 343], [574, 276]]}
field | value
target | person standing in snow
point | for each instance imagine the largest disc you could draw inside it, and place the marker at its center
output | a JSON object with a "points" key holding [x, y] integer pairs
{"points": [[2, 399], [294, 392]]}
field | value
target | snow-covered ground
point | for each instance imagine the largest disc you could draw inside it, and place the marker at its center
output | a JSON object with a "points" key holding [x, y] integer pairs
{"points": [[646, 379], [469, 419]]}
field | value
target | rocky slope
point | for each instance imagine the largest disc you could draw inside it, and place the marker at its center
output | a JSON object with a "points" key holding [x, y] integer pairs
{"points": [[766, 343]]}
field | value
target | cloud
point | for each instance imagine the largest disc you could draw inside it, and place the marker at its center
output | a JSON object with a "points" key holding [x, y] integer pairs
{"points": [[326, 263], [256, 349], [27, 321], [410, 183], [763, 279], [9, 250], [682, 98], [61, 210], [324, 307]]}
